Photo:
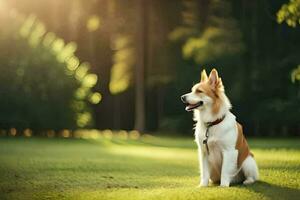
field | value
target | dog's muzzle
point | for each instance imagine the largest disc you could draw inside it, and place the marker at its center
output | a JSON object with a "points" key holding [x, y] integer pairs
{"points": [[190, 107]]}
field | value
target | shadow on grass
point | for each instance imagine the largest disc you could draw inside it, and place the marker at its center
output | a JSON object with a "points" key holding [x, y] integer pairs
{"points": [[274, 191], [274, 143], [282, 167]]}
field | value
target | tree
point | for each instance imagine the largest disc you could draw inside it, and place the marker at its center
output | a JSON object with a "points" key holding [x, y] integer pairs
{"points": [[47, 87]]}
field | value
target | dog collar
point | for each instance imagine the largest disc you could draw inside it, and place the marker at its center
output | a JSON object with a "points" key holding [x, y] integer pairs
{"points": [[217, 121]]}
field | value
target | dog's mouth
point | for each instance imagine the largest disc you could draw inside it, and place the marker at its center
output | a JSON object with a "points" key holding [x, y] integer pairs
{"points": [[191, 107]]}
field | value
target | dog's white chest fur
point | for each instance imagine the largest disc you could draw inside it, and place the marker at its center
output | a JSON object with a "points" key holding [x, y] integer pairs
{"points": [[220, 137]]}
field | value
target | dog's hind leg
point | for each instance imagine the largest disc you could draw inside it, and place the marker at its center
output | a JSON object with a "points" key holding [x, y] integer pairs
{"points": [[250, 170]]}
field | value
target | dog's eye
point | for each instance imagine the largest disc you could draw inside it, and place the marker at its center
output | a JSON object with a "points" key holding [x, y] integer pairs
{"points": [[199, 91]]}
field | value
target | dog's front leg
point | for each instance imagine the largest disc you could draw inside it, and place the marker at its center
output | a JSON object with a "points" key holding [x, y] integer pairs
{"points": [[228, 166], [204, 170]]}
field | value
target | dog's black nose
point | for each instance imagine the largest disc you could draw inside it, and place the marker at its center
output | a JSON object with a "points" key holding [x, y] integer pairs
{"points": [[183, 98]]}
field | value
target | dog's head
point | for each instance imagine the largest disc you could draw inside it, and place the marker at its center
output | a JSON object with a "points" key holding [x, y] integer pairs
{"points": [[205, 94]]}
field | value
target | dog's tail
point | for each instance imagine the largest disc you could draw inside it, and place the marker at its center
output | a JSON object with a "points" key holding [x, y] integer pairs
{"points": [[237, 172]]}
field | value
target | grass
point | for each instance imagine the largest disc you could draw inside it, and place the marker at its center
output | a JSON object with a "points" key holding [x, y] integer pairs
{"points": [[148, 168]]}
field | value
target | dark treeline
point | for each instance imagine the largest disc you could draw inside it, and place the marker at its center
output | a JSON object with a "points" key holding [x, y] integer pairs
{"points": [[147, 53]]}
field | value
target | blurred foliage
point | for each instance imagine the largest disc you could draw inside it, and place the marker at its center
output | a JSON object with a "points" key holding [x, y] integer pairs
{"points": [[290, 13], [296, 74], [190, 21], [42, 82], [123, 63], [207, 40]]}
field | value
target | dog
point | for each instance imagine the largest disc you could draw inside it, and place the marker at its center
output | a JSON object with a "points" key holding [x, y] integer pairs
{"points": [[223, 152]]}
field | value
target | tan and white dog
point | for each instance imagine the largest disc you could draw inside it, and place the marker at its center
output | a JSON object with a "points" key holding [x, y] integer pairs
{"points": [[224, 154]]}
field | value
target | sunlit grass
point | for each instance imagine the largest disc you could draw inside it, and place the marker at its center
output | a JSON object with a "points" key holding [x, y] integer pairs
{"points": [[147, 167]]}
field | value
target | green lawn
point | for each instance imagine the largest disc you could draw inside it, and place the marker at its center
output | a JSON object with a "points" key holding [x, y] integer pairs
{"points": [[147, 168]]}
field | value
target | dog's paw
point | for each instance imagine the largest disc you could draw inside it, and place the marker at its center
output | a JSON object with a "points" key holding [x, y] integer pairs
{"points": [[249, 181], [203, 184], [224, 184]]}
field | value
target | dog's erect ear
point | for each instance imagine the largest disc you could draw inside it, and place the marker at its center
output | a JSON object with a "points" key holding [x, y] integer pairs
{"points": [[220, 82], [203, 76], [213, 78]]}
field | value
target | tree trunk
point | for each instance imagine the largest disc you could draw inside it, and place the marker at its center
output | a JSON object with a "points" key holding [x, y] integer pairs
{"points": [[73, 21], [140, 67], [55, 20]]}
